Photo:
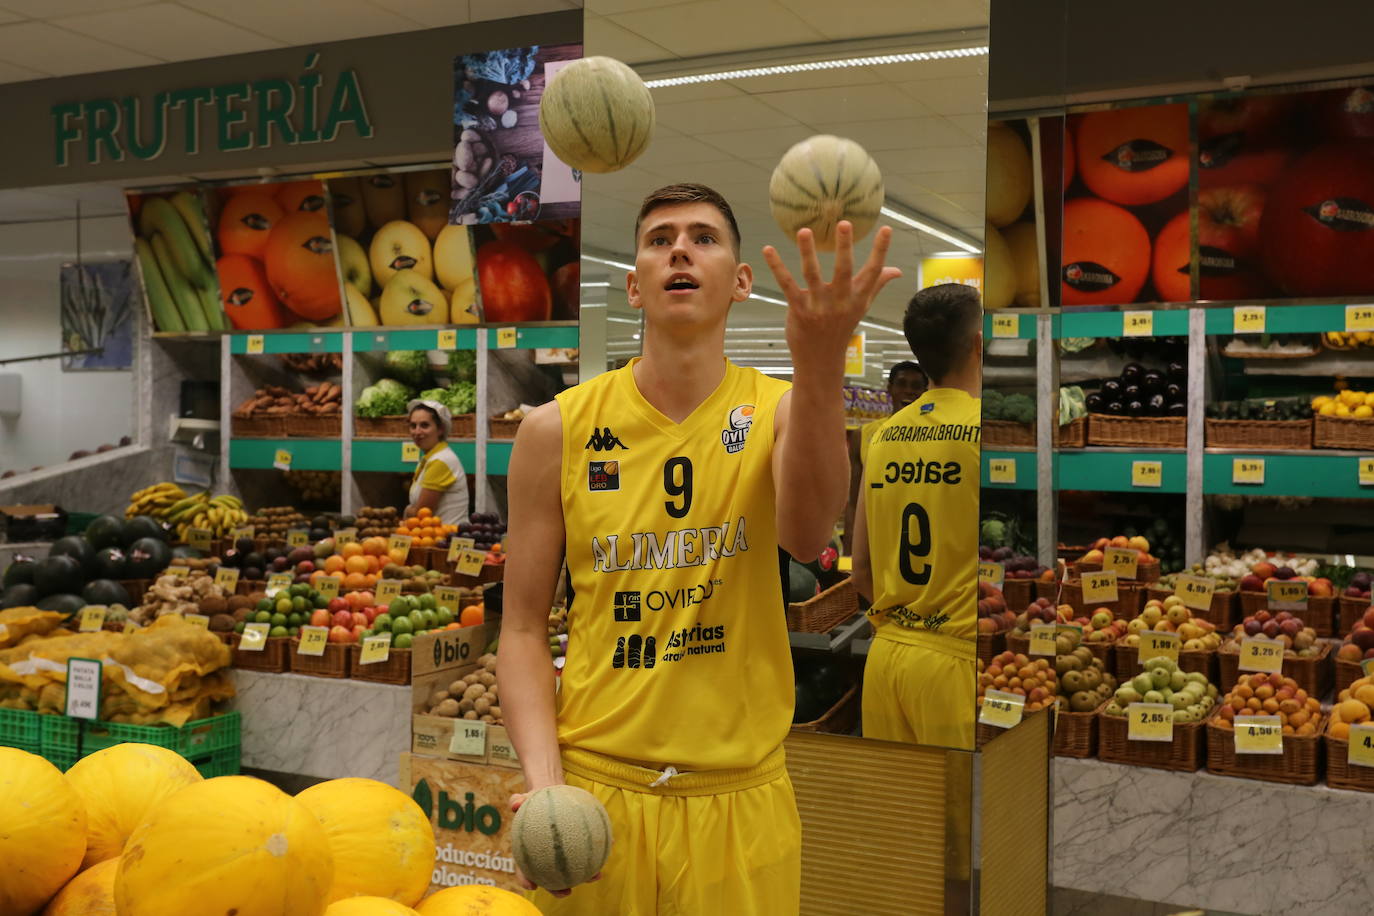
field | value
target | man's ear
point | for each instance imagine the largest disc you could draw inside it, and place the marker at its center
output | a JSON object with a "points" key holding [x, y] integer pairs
{"points": [[632, 290], [744, 283]]}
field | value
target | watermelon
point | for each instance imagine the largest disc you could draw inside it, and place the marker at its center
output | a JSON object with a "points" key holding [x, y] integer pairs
{"points": [[106, 531], [147, 557], [143, 526], [21, 594], [107, 592], [110, 563], [62, 603], [808, 706], [79, 549], [58, 574], [801, 584], [20, 571]]}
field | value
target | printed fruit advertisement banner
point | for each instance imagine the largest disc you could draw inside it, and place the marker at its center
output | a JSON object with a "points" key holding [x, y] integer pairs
{"points": [[502, 169], [274, 256], [401, 262], [529, 272], [176, 261]]}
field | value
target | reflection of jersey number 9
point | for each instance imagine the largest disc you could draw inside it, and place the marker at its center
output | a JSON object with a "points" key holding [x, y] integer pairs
{"points": [[917, 547]]}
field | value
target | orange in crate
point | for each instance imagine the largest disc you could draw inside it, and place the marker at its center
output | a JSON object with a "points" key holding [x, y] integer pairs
{"points": [[471, 616], [353, 549], [334, 564]]}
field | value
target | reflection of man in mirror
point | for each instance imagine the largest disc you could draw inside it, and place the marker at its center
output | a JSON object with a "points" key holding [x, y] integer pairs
{"points": [[678, 691], [906, 382], [916, 535]]}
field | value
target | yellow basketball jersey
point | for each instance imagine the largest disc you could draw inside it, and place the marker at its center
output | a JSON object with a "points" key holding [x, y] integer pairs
{"points": [[921, 486], [677, 643]]}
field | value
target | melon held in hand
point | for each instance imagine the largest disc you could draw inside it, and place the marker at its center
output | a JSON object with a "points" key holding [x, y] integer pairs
{"points": [[597, 115], [561, 836], [821, 181]]}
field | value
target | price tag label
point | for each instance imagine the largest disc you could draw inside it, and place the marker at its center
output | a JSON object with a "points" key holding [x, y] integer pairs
{"points": [[1150, 722], [83, 688], [1124, 561], [328, 586], [346, 536], [177, 572], [129, 627], [255, 344], [1195, 591], [375, 649], [448, 339], [254, 637], [470, 562], [1157, 643], [388, 589], [1001, 709], [1147, 473], [245, 531], [1286, 595], [1042, 638], [399, 542], [1006, 325], [1002, 470], [1359, 317], [198, 620], [1260, 654], [410, 452], [469, 738], [1137, 324], [991, 573], [227, 578], [200, 538], [281, 460], [458, 545], [500, 747], [297, 537], [1366, 472], [446, 596], [1259, 735], [1099, 587], [276, 582], [1248, 471], [313, 640], [1248, 319], [1367, 667], [92, 618], [1361, 751], [505, 338]]}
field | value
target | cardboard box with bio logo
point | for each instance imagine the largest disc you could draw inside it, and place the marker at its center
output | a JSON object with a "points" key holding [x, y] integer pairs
{"points": [[438, 661]]}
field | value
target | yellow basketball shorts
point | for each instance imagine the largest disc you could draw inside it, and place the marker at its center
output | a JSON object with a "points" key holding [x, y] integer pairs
{"points": [[918, 694], [721, 843]]}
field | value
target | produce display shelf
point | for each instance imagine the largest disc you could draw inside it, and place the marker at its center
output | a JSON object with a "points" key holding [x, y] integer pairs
{"points": [[1024, 462], [1111, 470], [306, 454], [384, 455], [1311, 473], [382, 339], [1025, 324], [289, 342], [498, 457], [1281, 319], [1166, 322]]}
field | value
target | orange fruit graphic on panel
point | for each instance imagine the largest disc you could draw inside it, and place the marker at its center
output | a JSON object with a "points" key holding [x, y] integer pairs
{"points": [[246, 295], [300, 195], [1106, 254], [300, 265], [246, 221], [1170, 270], [1134, 156]]}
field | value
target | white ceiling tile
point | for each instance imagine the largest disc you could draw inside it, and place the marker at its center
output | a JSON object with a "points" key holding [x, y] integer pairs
{"points": [[9, 73], [952, 68], [51, 9], [604, 37], [966, 156], [433, 13], [717, 115], [843, 104], [889, 17], [811, 79], [7, 16], [481, 10], [295, 24], [671, 95], [964, 181], [951, 96], [616, 7], [975, 125], [770, 143], [161, 31], [905, 133], [673, 150], [47, 49], [718, 26]]}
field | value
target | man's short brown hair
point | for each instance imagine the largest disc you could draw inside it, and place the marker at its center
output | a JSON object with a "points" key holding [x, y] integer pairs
{"points": [[689, 194]]}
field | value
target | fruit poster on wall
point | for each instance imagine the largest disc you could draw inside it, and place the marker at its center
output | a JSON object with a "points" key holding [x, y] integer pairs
{"points": [[176, 261], [529, 272], [401, 262], [97, 310], [502, 169], [275, 256]]}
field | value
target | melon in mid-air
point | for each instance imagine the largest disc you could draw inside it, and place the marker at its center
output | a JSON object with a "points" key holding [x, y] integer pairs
{"points": [[821, 181], [597, 115], [561, 837]]}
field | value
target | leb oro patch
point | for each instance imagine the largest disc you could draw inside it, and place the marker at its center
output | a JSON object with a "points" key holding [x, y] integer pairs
{"points": [[603, 475]]}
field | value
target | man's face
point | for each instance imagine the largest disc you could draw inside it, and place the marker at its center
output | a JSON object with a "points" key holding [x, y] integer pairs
{"points": [[685, 265], [905, 388]]}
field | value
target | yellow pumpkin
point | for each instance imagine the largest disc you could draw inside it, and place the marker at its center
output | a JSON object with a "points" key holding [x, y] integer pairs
{"points": [[90, 893], [120, 786], [475, 900], [42, 831], [368, 906], [233, 844], [370, 821]]}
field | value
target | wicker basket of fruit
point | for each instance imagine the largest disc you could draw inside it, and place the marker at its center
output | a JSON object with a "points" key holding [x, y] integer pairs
{"points": [[1073, 434], [1085, 688], [1003, 433], [1075, 733], [1353, 603], [840, 719], [333, 662], [394, 669], [994, 619], [1039, 611], [1301, 721], [1158, 683], [1198, 638], [1319, 614], [1147, 566], [1353, 706], [1220, 614], [1038, 684], [381, 427], [504, 425], [1343, 432], [271, 657], [825, 611], [1259, 434], [1305, 660], [1137, 432], [1129, 596], [1355, 649]]}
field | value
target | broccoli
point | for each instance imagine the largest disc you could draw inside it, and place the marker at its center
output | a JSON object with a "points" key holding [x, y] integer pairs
{"points": [[1018, 408], [387, 398], [992, 405], [462, 365], [410, 367]]}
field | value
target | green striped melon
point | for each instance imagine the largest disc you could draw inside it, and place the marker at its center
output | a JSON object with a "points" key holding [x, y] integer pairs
{"points": [[821, 181], [597, 115], [561, 837]]}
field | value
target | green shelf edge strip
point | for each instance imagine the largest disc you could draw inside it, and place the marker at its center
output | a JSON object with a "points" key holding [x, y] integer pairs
{"points": [[1333, 476], [1283, 319], [1025, 470], [302, 342], [384, 456], [306, 454], [1110, 472]]}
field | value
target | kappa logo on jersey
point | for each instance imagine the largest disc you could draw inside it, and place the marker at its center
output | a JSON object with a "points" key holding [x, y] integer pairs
{"points": [[627, 606], [737, 426], [603, 440], [635, 652], [603, 475]]}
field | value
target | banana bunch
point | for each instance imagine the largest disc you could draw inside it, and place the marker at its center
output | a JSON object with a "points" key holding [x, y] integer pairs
{"points": [[155, 500], [1349, 340], [178, 264], [219, 515]]}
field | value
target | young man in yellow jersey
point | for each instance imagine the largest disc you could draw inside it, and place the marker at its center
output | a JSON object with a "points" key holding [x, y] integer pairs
{"points": [[916, 544], [667, 485], [906, 382]]}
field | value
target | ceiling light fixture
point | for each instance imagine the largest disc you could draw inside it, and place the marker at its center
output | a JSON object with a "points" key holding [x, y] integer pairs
{"points": [[907, 219], [814, 65], [597, 283], [596, 260]]}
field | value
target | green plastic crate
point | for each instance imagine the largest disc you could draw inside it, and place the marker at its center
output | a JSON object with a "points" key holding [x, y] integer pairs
{"points": [[22, 729], [64, 743], [219, 763]]}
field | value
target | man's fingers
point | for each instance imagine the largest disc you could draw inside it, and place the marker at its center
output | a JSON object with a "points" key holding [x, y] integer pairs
{"points": [[517, 800], [781, 273], [811, 265], [844, 254], [877, 256], [887, 276]]}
